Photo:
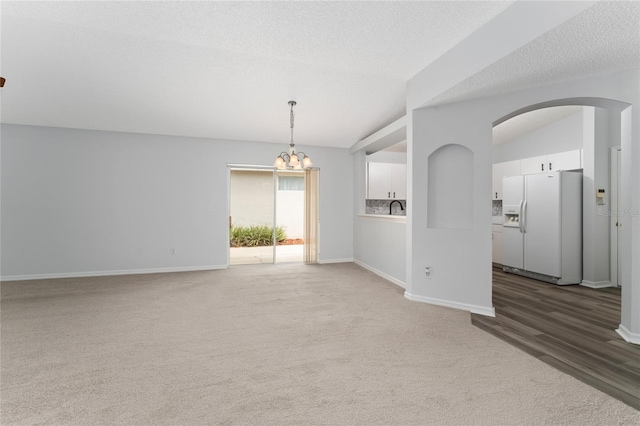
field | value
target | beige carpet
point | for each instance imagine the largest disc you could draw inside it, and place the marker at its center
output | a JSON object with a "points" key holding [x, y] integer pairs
{"points": [[265, 344]]}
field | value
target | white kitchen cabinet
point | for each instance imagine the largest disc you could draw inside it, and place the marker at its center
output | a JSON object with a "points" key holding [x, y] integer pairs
{"points": [[496, 244], [386, 181], [399, 181], [500, 171], [378, 181], [531, 165], [569, 160]]}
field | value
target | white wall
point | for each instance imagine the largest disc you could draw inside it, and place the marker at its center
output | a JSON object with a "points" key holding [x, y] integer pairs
{"points": [[359, 160], [80, 202], [290, 212], [560, 136], [469, 287], [380, 247], [388, 157], [599, 137], [460, 259], [378, 244]]}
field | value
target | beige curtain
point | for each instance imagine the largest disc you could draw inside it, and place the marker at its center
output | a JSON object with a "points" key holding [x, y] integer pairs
{"points": [[311, 212]]}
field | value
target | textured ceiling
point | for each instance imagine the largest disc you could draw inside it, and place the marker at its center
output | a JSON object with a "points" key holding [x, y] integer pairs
{"points": [[224, 69], [227, 69], [604, 38]]}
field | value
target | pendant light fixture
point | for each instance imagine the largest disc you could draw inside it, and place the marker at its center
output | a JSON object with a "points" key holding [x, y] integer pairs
{"points": [[292, 159]]}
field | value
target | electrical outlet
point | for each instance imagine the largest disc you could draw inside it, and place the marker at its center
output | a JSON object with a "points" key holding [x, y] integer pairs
{"points": [[427, 271], [173, 251]]}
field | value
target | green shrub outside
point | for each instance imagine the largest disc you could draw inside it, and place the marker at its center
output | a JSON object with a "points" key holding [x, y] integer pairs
{"points": [[255, 235]]}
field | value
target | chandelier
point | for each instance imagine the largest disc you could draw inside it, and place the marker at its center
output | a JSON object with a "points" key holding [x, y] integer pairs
{"points": [[292, 159]]}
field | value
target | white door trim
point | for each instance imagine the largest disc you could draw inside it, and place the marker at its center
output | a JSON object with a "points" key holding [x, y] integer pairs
{"points": [[613, 214]]}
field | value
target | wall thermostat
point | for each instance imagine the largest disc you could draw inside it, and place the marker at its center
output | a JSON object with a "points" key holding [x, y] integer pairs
{"points": [[600, 197]]}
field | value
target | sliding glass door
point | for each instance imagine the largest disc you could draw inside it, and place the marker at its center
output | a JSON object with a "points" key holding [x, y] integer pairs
{"points": [[290, 218], [251, 215], [273, 215]]}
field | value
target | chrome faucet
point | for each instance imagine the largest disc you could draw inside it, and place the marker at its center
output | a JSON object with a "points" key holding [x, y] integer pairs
{"points": [[395, 201]]}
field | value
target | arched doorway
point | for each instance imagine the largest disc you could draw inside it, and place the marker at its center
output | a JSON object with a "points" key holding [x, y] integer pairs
{"points": [[470, 123], [610, 121]]}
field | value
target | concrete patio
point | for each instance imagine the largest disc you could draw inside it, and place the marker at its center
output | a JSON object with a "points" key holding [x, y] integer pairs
{"points": [[252, 255]]}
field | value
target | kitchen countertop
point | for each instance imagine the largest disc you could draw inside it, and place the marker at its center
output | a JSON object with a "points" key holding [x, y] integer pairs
{"points": [[388, 217], [495, 220]]}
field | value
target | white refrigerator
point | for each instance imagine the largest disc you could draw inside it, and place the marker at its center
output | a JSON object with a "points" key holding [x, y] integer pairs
{"points": [[542, 226]]}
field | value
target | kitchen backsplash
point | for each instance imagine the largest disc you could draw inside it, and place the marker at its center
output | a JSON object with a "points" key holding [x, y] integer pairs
{"points": [[497, 208], [382, 207]]}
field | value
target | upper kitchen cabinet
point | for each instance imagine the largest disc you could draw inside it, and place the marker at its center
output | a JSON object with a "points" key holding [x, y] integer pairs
{"points": [[399, 181], [386, 181], [500, 171], [570, 160], [531, 165]]}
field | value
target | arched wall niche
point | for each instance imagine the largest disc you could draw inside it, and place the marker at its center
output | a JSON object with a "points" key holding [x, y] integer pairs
{"points": [[450, 188]]}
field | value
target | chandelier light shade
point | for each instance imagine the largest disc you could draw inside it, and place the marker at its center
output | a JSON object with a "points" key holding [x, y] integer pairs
{"points": [[292, 159]]}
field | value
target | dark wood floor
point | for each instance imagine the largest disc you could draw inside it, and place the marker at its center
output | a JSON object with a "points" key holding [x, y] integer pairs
{"points": [[570, 327]]}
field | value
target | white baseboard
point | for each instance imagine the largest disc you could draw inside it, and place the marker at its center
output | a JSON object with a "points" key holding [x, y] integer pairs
{"points": [[106, 273], [324, 261], [380, 273], [596, 284], [474, 309], [627, 335]]}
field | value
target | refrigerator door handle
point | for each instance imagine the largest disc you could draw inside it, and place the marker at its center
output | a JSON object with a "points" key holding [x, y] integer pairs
{"points": [[520, 217], [523, 221]]}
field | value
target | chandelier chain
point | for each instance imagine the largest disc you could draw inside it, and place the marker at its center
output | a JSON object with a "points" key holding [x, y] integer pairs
{"points": [[291, 122]]}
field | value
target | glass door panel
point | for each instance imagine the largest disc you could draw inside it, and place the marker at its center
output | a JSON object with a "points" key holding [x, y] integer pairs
{"points": [[290, 218], [251, 216]]}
